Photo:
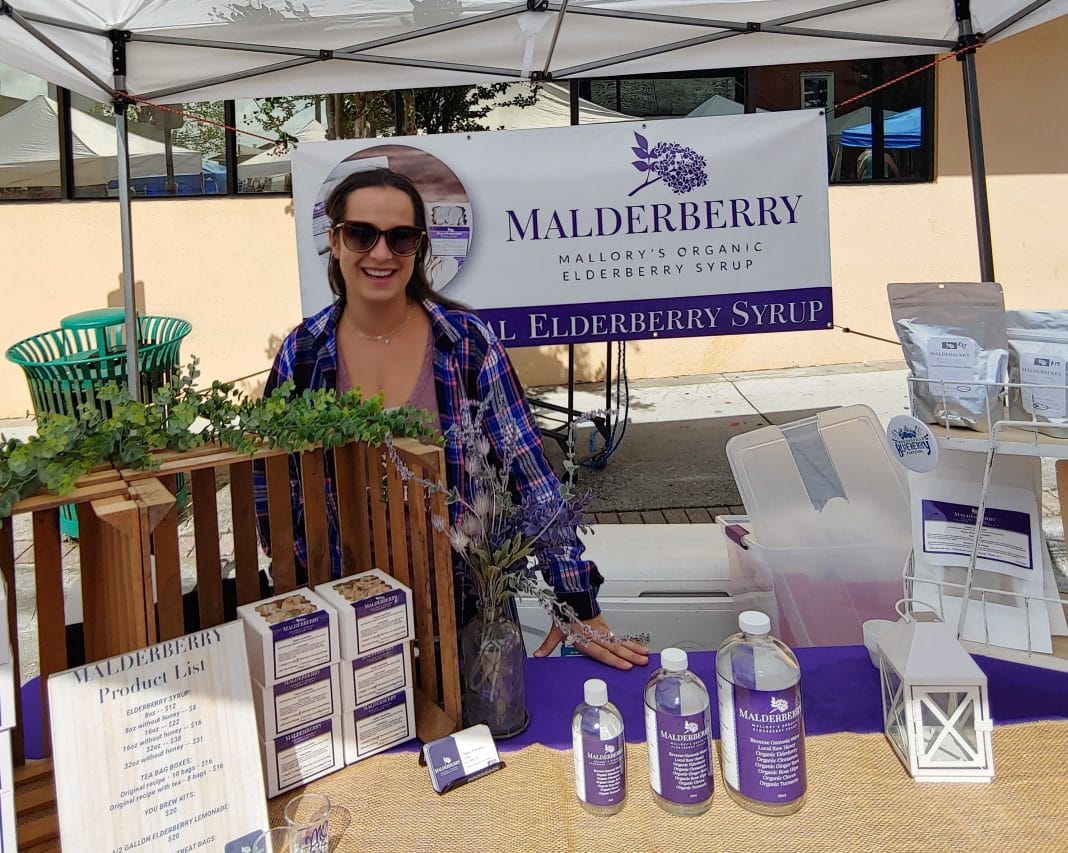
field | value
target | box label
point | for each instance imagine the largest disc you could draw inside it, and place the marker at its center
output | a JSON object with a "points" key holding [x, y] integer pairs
{"points": [[382, 723], [303, 699], [301, 643], [381, 620], [379, 673], [305, 753]]}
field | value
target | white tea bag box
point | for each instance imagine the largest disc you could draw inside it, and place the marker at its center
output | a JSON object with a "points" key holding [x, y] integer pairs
{"points": [[300, 756], [379, 725], [295, 702], [374, 611], [370, 676], [289, 634]]}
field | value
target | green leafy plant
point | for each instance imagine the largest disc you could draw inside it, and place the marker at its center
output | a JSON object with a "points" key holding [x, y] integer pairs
{"points": [[130, 434]]}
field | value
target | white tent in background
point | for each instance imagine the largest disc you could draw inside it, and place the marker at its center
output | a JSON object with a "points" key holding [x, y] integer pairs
{"points": [[274, 161], [551, 109], [29, 149], [718, 105]]}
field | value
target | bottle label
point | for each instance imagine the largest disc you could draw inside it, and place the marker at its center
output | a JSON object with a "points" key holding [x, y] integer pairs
{"points": [[600, 768], [680, 755], [762, 737]]}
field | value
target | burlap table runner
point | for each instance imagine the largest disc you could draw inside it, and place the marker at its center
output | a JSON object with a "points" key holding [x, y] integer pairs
{"points": [[860, 798]]}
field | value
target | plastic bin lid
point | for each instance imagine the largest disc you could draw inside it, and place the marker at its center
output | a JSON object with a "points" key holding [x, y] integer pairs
{"points": [[824, 481]]}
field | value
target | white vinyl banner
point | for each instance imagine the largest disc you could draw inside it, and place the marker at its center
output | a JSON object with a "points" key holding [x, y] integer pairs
{"points": [[623, 231]]}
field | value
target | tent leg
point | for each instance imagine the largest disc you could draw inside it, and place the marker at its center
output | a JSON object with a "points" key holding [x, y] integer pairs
{"points": [[118, 61], [975, 144]]}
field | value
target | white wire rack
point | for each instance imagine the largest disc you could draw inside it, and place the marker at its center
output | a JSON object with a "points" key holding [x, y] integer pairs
{"points": [[976, 603]]}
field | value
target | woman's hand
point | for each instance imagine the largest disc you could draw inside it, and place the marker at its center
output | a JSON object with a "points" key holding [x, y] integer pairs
{"points": [[620, 654]]}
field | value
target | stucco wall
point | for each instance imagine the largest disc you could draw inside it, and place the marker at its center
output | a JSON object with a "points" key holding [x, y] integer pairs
{"points": [[229, 265]]}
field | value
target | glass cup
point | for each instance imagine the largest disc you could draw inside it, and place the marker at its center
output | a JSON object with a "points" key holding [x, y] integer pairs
{"points": [[277, 839], [308, 815]]}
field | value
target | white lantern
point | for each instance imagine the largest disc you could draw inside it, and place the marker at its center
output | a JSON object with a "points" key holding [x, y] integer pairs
{"points": [[936, 710]]}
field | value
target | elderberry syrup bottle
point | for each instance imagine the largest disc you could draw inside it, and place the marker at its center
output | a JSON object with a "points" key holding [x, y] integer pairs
{"points": [[678, 733], [600, 752], [761, 728]]}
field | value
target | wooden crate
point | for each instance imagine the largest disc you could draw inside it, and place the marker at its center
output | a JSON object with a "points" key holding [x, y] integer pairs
{"points": [[129, 526]]}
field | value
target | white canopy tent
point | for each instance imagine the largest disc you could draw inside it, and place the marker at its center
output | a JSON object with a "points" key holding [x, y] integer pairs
{"points": [[552, 108], [29, 149], [219, 49], [274, 162]]}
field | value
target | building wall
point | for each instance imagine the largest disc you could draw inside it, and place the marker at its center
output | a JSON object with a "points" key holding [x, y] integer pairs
{"points": [[228, 265]]}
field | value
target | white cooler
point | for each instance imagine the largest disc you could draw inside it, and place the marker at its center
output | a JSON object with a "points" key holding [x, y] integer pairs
{"points": [[670, 580]]}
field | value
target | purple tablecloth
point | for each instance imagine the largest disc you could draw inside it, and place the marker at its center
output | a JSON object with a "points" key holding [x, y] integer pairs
{"points": [[840, 689]]}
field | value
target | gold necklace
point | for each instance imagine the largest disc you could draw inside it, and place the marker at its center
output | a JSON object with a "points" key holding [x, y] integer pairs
{"points": [[383, 338]]}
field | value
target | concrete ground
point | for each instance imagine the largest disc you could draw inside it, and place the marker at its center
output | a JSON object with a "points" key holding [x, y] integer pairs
{"points": [[672, 453]]}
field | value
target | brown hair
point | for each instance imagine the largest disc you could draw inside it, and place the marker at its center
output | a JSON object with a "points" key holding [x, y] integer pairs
{"points": [[418, 287]]}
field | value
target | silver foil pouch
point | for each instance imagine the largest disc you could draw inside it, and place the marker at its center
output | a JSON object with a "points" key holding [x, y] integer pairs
{"points": [[1038, 359], [953, 337]]}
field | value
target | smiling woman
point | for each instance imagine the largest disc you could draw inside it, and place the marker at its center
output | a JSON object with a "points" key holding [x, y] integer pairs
{"points": [[389, 333]]}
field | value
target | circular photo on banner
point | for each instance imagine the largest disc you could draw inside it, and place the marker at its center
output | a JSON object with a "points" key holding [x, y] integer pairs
{"points": [[448, 209]]}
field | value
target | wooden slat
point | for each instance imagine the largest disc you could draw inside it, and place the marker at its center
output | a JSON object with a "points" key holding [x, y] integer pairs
{"points": [[421, 594], [350, 497], [653, 517], [362, 484], [51, 630], [38, 830], [33, 771], [118, 601], [206, 537], [7, 568], [170, 612], [698, 515], [44, 501], [606, 518], [630, 518], [399, 524], [676, 516], [280, 510], [246, 549], [446, 607], [316, 527], [379, 526]]}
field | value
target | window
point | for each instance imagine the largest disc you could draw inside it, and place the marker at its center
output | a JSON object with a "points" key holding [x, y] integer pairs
{"points": [[55, 144], [904, 137], [29, 137]]}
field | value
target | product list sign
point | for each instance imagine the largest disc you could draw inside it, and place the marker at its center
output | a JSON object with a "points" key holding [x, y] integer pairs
{"points": [[156, 749], [624, 231]]}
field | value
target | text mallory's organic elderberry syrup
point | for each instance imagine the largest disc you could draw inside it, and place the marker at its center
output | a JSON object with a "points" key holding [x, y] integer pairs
{"points": [[600, 751], [761, 728], [678, 733]]}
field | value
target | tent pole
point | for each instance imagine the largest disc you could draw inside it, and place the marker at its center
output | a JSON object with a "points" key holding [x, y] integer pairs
{"points": [[975, 140], [133, 367]]}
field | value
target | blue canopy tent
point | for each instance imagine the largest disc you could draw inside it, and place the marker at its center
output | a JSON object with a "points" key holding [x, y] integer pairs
{"points": [[901, 130]]}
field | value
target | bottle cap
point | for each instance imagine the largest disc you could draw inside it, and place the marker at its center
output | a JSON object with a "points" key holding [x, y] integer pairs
{"points": [[595, 691], [754, 622], [674, 660]]}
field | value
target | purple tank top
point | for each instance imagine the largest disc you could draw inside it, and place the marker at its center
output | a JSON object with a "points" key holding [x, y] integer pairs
{"points": [[424, 395]]}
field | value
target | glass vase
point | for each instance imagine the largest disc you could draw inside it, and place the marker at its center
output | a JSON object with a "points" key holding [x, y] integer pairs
{"points": [[492, 658]]}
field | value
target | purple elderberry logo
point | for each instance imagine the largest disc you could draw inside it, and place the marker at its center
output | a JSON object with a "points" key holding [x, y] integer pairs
{"points": [[681, 168]]}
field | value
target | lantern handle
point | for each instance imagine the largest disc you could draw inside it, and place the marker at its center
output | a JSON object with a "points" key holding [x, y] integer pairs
{"points": [[907, 614]]}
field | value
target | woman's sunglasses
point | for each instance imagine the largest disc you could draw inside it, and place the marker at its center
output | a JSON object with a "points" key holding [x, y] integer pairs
{"points": [[403, 240]]}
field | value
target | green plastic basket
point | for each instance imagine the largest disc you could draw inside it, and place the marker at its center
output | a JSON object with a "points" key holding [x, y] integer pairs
{"points": [[66, 368]]}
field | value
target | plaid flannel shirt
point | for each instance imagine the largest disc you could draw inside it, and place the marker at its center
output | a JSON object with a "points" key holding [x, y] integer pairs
{"points": [[469, 360]]}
